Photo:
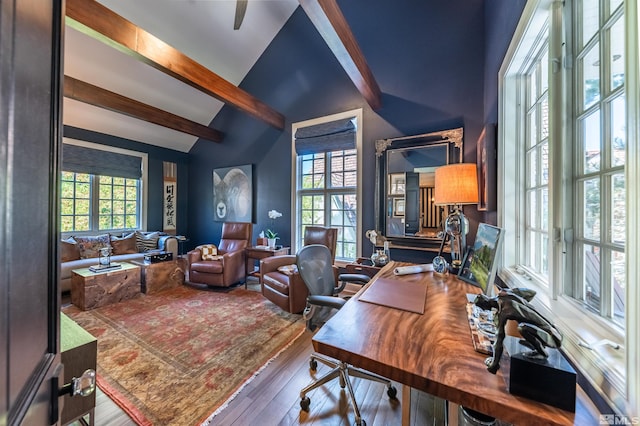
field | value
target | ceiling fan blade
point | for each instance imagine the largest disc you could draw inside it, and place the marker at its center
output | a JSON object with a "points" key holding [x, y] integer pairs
{"points": [[241, 8]]}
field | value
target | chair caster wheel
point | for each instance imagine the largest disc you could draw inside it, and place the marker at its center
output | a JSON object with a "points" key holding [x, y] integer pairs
{"points": [[392, 392], [305, 403], [313, 365]]}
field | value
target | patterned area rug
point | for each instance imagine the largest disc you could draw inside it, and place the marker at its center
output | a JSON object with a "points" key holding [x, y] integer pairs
{"points": [[177, 357]]}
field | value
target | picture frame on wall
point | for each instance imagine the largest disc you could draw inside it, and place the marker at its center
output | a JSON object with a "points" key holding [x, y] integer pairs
{"points": [[486, 158], [233, 194], [398, 207], [396, 183]]}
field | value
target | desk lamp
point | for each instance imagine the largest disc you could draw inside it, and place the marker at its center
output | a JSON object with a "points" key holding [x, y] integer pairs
{"points": [[456, 184]]}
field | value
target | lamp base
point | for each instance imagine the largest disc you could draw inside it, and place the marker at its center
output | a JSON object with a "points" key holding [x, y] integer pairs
{"points": [[454, 267]]}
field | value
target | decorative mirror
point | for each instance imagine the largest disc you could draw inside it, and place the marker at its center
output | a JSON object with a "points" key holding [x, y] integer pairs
{"points": [[405, 184]]}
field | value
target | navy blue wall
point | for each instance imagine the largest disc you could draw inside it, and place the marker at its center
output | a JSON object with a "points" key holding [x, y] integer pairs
{"points": [[156, 156], [428, 58]]}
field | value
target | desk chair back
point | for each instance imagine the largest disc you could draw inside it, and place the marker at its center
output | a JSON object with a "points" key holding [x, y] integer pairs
{"points": [[315, 266]]}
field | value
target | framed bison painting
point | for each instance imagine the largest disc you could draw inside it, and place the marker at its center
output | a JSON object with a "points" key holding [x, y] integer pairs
{"points": [[232, 194]]}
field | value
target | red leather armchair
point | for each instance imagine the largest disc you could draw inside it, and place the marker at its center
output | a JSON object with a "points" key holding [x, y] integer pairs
{"points": [[288, 291], [230, 267]]}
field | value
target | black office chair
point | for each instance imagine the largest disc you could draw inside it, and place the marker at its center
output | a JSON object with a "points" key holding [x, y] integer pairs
{"points": [[315, 266]]}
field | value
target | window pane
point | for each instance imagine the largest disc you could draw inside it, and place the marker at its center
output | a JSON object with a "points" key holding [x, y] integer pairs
{"points": [[618, 128], [66, 223], [83, 190], [618, 279], [532, 213], [544, 119], [81, 223], [533, 169], [544, 72], [533, 130], [591, 142], [337, 164], [613, 5], [337, 180], [105, 207], [590, 21], [618, 206], [66, 189], [531, 249], [591, 77], [591, 284], [82, 207], [533, 91], [617, 54], [544, 209], [544, 248], [591, 209], [544, 154]]}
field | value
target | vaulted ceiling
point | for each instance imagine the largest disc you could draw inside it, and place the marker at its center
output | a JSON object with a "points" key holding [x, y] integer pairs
{"points": [[158, 71]]}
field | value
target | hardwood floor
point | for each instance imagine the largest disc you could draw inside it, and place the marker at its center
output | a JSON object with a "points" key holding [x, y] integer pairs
{"points": [[273, 398]]}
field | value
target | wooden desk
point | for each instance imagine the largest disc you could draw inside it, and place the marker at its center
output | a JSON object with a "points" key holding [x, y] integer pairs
{"points": [[433, 352]]}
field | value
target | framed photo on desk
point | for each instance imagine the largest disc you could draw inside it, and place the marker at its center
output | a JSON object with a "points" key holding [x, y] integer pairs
{"points": [[479, 265]]}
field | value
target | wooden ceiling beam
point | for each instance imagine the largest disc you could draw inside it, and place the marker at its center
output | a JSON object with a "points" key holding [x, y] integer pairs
{"points": [[95, 20], [93, 95], [332, 25]]}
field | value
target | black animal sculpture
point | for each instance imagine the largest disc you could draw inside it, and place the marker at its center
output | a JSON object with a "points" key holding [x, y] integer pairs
{"points": [[536, 330]]}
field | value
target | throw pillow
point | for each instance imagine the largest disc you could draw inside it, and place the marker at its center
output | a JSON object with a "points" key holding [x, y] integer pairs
{"points": [[209, 252], [147, 241], [69, 250], [89, 247], [124, 245]]}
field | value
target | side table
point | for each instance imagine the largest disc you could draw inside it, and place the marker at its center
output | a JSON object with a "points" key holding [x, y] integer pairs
{"points": [[155, 277], [260, 252], [78, 349], [91, 290]]}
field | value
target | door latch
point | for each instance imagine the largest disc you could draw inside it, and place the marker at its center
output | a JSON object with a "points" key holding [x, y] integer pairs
{"points": [[84, 385]]}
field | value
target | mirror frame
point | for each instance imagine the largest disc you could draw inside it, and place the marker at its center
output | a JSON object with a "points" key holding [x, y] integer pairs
{"points": [[383, 146]]}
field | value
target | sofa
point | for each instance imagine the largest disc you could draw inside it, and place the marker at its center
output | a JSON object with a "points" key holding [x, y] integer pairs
{"points": [[83, 251]]}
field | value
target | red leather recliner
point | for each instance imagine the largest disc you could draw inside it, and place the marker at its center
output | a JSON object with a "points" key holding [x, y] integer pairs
{"points": [[288, 291], [230, 267]]}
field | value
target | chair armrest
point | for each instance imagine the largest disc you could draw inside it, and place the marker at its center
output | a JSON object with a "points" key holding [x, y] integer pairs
{"points": [[271, 264], [231, 256], [194, 256], [359, 279], [330, 301]]}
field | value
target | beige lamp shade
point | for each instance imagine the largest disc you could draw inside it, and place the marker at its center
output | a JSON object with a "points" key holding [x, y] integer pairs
{"points": [[456, 184]]}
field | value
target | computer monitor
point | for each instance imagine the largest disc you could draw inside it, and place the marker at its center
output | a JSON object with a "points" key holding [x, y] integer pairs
{"points": [[480, 262]]}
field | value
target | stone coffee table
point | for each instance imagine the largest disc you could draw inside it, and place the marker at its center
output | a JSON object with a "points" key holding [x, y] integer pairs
{"points": [[91, 290], [160, 276]]}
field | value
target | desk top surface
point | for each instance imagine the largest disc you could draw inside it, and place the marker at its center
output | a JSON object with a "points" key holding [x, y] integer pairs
{"points": [[433, 352]]}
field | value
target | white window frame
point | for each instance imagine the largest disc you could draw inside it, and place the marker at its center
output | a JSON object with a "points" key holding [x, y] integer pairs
{"points": [[144, 157], [589, 341], [295, 222]]}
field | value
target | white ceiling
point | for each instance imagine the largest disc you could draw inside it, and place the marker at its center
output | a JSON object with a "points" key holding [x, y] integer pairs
{"points": [[202, 29]]}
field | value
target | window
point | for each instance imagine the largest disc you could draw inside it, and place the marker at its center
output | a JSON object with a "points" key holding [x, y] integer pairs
{"points": [[100, 190], [327, 179], [536, 153], [565, 205]]}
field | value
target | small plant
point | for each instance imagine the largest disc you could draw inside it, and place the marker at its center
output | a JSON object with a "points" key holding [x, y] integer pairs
{"points": [[271, 235]]}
